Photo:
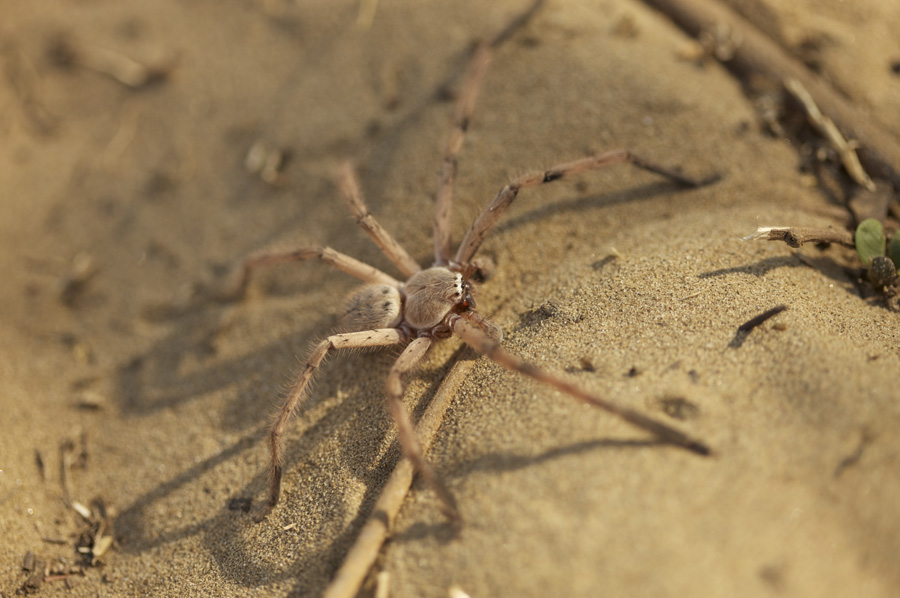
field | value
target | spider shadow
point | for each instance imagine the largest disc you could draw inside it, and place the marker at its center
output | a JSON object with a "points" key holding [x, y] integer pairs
{"points": [[844, 276], [823, 264], [644, 192], [223, 532], [507, 462], [184, 366]]}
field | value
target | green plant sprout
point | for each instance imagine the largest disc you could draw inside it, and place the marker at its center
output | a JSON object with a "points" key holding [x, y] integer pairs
{"points": [[870, 246]]}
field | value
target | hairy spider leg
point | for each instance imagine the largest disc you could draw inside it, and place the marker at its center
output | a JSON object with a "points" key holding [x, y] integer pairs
{"points": [[443, 203], [333, 258], [406, 433], [465, 106], [482, 225], [348, 183], [469, 327], [352, 340]]}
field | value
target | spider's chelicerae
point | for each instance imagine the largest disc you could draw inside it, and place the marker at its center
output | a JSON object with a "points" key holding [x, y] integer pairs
{"points": [[431, 304]]}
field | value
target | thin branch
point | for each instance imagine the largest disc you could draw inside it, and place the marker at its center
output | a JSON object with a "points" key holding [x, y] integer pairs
{"points": [[115, 65], [364, 551], [797, 236], [758, 54], [846, 150]]}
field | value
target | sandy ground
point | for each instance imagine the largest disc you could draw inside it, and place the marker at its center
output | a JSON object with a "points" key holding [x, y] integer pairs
{"points": [[146, 190]]}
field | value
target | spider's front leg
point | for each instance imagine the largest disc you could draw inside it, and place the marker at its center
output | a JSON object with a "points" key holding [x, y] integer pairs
{"points": [[352, 340], [492, 213], [406, 433], [469, 326], [444, 198], [465, 107], [349, 186]]}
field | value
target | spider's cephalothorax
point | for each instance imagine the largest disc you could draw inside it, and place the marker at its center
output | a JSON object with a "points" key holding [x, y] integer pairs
{"points": [[419, 307], [436, 302], [431, 295]]}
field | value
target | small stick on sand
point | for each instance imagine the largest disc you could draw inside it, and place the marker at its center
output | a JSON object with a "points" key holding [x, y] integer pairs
{"points": [[760, 55], [123, 69], [364, 551], [845, 149], [797, 236]]}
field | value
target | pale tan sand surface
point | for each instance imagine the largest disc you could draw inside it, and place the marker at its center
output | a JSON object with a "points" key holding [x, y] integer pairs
{"points": [[619, 280]]}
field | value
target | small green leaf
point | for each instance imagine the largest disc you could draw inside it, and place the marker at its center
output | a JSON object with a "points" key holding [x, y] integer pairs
{"points": [[869, 240], [894, 249]]}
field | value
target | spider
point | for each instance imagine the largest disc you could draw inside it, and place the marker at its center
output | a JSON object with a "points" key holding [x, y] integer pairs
{"points": [[432, 304]]}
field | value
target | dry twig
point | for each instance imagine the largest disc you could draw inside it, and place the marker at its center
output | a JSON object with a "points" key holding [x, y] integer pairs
{"points": [[797, 236], [115, 65], [362, 555], [758, 54], [845, 149]]}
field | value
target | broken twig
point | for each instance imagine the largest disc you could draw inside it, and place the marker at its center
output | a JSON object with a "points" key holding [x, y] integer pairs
{"points": [[760, 55], [845, 149], [797, 236], [362, 555], [115, 65]]}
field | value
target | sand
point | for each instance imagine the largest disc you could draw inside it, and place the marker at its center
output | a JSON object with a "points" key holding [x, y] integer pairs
{"points": [[619, 280]]}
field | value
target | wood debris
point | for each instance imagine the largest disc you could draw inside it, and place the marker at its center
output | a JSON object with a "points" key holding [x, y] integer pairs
{"points": [[797, 236], [46, 570], [96, 536], [265, 160], [127, 71], [846, 150]]}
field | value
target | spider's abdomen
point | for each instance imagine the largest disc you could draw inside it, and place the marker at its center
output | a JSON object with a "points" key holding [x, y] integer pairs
{"points": [[430, 295], [370, 307]]}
